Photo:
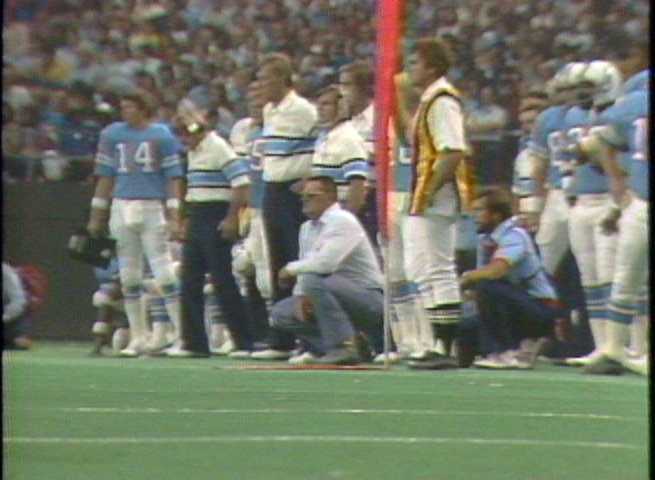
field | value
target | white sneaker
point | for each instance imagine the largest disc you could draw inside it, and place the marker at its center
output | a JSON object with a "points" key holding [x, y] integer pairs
{"points": [[584, 360], [157, 343], [271, 354], [239, 354], [639, 365], [419, 355], [225, 349], [497, 361], [120, 339], [394, 357], [134, 349], [178, 352], [306, 358]]}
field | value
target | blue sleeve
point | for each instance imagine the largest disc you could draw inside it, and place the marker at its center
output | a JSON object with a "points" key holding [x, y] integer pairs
{"points": [[171, 162], [106, 162], [539, 139], [511, 247]]}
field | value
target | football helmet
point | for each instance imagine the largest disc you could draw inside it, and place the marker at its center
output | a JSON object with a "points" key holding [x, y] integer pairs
{"points": [[605, 80], [562, 86]]}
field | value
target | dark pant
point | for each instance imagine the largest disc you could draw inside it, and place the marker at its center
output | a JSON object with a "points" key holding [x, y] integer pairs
{"points": [[19, 327], [508, 314], [368, 216], [205, 251], [282, 212]]}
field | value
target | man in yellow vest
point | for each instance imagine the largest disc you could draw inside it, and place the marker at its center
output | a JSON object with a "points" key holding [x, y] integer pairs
{"points": [[442, 185]]}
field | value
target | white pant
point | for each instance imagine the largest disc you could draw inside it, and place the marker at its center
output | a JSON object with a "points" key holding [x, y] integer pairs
{"points": [[594, 250], [139, 227], [254, 255], [429, 243], [410, 327], [631, 267], [553, 234]]}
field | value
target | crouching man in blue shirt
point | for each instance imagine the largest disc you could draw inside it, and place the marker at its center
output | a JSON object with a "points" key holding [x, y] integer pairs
{"points": [[338, 289], [516, 301]]}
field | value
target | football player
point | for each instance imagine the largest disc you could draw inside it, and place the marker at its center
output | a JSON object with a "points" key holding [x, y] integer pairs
{"points": [[140, 177], [594, 249], [626, 130]]}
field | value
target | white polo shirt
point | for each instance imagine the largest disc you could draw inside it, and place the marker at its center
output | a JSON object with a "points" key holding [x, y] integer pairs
{"points": [[213, 169], [340, 153], [287, 140]]}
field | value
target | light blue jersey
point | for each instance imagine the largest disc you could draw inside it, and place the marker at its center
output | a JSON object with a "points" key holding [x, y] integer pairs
{"points": [[548, 140], [639, 81], [628, 130], [513, 244], [255, 160], [587, 178], [403, 169], [141, 160]]}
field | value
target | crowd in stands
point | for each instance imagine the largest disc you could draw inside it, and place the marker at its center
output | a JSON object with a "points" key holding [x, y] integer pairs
{"points": [[65, 62]]}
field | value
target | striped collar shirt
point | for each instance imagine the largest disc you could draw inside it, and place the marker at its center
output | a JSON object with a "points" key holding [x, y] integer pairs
{"points": [[340, 154], [213, 169], [288, 138]]}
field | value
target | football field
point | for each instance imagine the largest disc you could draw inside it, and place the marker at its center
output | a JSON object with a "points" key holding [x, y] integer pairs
{"points": [[68, 416]]}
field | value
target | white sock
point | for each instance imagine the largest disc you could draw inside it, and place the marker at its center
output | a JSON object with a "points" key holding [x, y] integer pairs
{"points": [[598, 328], [136, 319], [617, 336], [639, 335]]}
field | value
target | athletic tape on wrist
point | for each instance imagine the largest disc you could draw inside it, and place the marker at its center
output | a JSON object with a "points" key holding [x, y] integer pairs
{"points": [[99, 203], [173, 203]]}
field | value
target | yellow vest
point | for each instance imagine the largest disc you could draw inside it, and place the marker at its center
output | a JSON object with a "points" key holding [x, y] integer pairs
{"points": [[425, 155]]}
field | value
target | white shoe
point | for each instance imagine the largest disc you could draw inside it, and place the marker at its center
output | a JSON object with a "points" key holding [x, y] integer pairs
{"points": [[639, 365], [419, 355], [394, 357], [584, 360], [120, 339], [134, 349], [306, 358], [225, 349], [177, 352], [497, 361], [239, 354], [157, 343], [271, 354], [219, 335]]}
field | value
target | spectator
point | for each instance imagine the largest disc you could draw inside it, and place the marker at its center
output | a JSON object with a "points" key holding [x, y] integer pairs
{"points": [[485, 124]]}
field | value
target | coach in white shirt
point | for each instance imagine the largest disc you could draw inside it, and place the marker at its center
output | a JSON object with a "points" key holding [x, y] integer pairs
{"points": [[339, 285]]}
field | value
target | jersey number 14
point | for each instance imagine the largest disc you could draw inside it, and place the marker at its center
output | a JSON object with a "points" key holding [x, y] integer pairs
{"points": [[142, 156]]}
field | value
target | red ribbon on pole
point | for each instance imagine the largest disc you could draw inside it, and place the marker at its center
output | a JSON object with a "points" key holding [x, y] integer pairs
{"points": [[389, 31]]}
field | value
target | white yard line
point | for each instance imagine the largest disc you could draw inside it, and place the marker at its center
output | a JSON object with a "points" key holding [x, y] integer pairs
{"points": [[346, 411], [322, 439]]}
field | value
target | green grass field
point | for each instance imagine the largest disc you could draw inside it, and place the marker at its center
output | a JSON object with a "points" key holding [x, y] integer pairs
{"points": [[71, 417]]}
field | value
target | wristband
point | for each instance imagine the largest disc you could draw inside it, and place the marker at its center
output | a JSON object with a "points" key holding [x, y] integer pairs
{"points": [[99, 203], [173, 203]]}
